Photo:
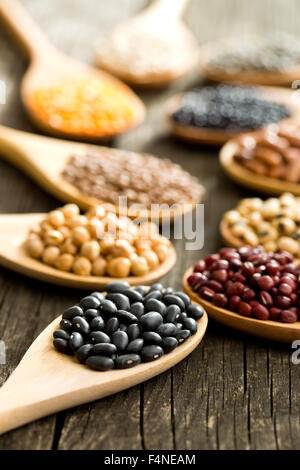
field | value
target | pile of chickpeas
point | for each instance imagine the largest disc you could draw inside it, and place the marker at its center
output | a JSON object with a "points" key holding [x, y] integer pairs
{"points": [[274, 223], [98, 243]]}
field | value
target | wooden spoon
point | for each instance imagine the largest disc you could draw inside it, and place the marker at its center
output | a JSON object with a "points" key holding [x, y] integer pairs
{"points": [[46, 381], [245, 177], [49, 67], [201, 135], [271, 330], [161, 18], [44, 159], [13, 255]]}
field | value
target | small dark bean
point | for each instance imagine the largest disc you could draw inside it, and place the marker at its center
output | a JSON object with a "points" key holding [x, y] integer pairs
{"points": [[112, 325], [99, 337], [61, 345], [135, 346], [105, 349], [172, 299], [137, 309], [100, 363], [97, 324], [127, 361], [166, 329], [154, 305], [151, 353], [91, 313], [182, 316], [117, 287], [150, 337], [133, 331], [178, 328], [182, 335], [133, 295], [62, 334], [184, 297], [84, 352], [190, 324], [142, 290], [120, 301], [123, 327], [169, 343], [156, 286], [168, 291], [126, 317], [108, 307], [89, 302], [151, 321], [195, 311], [155, 294], [72, 312], [76, 341], [172, 313], [120, 339], [98, 296], [81, 325], [65, 325]]}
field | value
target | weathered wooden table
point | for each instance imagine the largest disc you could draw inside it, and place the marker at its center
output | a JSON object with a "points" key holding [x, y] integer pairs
{"points": [[234, 391]]}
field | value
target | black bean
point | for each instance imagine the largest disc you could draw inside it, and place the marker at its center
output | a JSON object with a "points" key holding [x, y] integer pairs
{"points": [[172, 299], [65, 325], [91, 313], [150, 337], [84, 352], [126, 317], [127, 360], [195, 311], [76, 341], [133, 295], [89, 302], [99, 337], [154, 305], [108, 307], [120, 339], [123, 327], [179, 327], [156, 294], [166, 329], [169, 343], [120, 301], [133, 331], [72, 312], [190, 324], [112, 325], [184, 297], [168, 291], [172, 313], [135, 346], [137, 309], [98, 296], [61, 345], [105, 349], [100, 363], [156, 286], [117, 287], [151, 353], [182, 335], [142, 290], [151, 321], [62, 334], [81, 325], [97, 324], [182, 316]]}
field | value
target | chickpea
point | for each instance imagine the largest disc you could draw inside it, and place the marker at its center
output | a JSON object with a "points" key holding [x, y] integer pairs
{"points": [[36, 230], [56, 218], [78, 221], [143, 245], [288, 244], [80, 235], [151, 258], [70, 210], [126, 236], [46, 227], [162, 251], [107, 244], [99, 267], [35, 247], [159, 240], [50, 255], [69, 247], [139, 266], [122, 248], [119, 267], [148, 230], [96, 228], [53, 237], [65, 231], [287, 199], [82, 266], [98, 212], [90, 250], [65, 262]]}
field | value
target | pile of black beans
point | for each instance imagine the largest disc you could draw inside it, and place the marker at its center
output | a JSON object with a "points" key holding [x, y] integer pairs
{"points": [[126, 326], [230, 107]]}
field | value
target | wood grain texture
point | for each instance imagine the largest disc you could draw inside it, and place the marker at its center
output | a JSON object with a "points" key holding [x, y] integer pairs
{"points": [[233, 392]]}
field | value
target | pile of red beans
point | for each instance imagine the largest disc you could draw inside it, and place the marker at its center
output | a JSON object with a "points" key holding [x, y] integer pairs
{"points": [[251, 282]]}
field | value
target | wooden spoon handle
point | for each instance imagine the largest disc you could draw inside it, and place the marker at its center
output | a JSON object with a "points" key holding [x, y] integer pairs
{"points": [[24, 29], [168, 9]]}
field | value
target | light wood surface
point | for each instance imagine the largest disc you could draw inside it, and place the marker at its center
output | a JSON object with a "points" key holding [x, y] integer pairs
{"points": [[14, 230], [201, 135], [166, 14], [270, 330], [44, 160], [249, 179], [47, 381], [49, 67]]}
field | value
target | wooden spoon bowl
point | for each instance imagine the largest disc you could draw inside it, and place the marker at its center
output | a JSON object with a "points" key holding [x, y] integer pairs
{"points": [[46, 381], [201, 135], [13, 255], [270, 330]]}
